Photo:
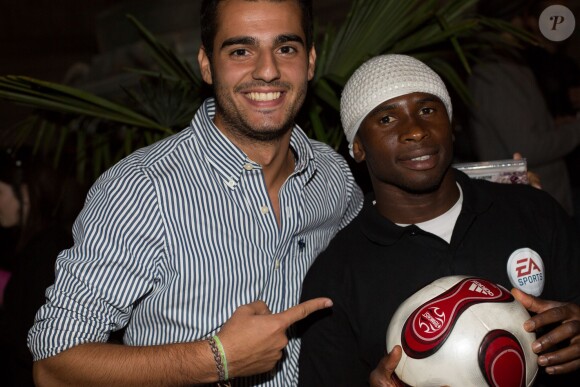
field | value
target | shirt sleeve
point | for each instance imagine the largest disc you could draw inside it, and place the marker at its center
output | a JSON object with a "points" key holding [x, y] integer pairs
{"points": [[113, 263], [329, 349], [356, 196]]}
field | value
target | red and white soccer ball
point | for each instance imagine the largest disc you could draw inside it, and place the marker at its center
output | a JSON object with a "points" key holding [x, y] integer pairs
{"points": [[463, 331]]}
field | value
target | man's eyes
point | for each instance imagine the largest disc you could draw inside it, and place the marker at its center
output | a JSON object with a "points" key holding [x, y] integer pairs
{"points": [[284, 50], [386, 119], [239, 52], [287, 50]]}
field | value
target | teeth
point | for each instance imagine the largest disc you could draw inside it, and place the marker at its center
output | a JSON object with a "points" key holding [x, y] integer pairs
{"points": [[421, 158], [264, 96]]}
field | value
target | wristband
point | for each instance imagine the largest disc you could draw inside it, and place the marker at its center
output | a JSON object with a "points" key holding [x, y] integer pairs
{"points": [[222, 356], [219, 356]]}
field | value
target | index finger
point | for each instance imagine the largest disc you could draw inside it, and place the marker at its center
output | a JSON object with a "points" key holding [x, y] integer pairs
{"points": [[304, 309]]}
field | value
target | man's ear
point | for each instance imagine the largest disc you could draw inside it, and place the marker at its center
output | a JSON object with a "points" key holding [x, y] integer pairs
{"points": [[358, 151], [311, 63], [204, 65]]}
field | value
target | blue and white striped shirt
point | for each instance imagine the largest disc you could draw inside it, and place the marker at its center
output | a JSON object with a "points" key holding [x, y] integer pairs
{"points": [[176, 236]]}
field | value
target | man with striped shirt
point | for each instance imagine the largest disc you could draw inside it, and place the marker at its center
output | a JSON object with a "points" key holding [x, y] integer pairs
{"points": [[198, 244]]}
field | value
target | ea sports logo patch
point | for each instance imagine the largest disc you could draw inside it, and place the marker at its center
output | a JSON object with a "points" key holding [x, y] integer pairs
{"points": [[525, 270]]}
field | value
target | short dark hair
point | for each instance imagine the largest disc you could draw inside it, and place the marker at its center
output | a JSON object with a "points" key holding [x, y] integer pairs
{"points": [[209, 22]]}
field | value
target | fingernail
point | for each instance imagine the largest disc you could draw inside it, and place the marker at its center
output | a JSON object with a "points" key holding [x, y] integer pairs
{"points": [[543, 360], [537, 347], [550, 370], [529, 325]]}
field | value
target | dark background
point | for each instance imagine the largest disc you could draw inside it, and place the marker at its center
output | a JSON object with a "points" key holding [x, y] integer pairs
{"points": [[89, 43], [60, 40]]}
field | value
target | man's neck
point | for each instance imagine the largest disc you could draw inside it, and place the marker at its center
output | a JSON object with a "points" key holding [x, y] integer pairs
{"points": [[404, 207], [275, 156]]}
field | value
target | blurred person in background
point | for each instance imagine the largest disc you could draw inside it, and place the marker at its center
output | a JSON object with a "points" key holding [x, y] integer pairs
{"points": [[510, 113], [37, 207], [558, 75], [557, 72]]}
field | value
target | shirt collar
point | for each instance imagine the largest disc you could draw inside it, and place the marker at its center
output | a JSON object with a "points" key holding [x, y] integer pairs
{"points": [[475, 200], [229, 160], [384, 232]]}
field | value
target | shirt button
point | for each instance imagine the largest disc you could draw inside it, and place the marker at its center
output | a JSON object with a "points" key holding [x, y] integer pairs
{"points": [[248, 167], [231, 183], [265, 210], [277, 264]]}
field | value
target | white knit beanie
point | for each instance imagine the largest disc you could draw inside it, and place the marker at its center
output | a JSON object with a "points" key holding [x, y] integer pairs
{"points": [[382, 78]]}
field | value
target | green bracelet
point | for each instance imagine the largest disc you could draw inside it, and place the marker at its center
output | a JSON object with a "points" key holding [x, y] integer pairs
{"points": [[219, 356], [222, 356]]}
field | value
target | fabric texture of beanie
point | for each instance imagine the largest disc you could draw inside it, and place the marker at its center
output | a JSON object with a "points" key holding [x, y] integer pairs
{"points": [[382, 78]]}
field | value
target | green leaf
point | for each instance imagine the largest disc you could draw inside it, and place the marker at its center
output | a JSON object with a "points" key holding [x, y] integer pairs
{"points": [[326, 93], [170, 63], [56, 97]]}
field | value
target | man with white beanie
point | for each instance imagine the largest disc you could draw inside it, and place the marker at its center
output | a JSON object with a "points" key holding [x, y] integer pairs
{"points": [[426, 220]]}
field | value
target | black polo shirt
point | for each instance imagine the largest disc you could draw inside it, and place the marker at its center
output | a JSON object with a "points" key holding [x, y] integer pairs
{"points": [[373, 265]]}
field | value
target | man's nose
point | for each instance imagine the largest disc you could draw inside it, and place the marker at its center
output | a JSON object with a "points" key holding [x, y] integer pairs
{"points": [[415, 131], [266, 68]]}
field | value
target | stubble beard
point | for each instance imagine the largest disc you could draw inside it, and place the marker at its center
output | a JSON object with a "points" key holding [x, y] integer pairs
{"points": [[410, 186], [237, 122], [425, 187]]}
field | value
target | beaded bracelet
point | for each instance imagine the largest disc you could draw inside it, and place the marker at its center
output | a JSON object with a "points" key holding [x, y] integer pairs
{"points": [[221, 363]]}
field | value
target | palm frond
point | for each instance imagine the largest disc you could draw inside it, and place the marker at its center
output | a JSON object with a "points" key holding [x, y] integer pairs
{"points": [[57, 97], [166, 58]]}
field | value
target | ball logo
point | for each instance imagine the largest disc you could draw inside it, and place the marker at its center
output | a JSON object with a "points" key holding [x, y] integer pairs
{"points": [[428, 327], [478, 287], [526, 271], [432, 321]]}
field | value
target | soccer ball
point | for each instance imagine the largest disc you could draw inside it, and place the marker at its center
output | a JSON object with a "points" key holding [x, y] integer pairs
{"points": [[463, 331]]}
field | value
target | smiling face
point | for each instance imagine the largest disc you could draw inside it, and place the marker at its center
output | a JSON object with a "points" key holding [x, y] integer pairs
{"points": [[259, 69], [407, 143]]}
